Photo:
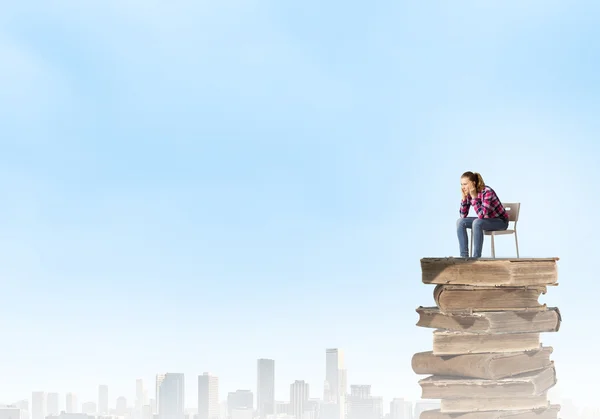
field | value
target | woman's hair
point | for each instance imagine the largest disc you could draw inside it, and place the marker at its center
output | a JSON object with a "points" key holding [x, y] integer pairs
{"points": [[476, 179]]}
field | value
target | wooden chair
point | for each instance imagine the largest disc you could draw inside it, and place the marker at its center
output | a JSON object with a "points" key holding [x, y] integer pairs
{"points": [[512, 209]]}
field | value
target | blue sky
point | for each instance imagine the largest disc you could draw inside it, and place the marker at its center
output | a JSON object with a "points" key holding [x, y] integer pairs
{"points": [[192, 186]]}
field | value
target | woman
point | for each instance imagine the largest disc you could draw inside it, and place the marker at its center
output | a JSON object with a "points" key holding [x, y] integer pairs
{"points": [[491, 215]]}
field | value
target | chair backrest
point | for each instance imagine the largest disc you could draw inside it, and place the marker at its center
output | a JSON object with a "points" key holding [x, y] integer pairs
{"points": [[512, 209]]}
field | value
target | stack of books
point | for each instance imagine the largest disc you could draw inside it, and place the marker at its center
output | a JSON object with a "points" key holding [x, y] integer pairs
{"points": [[488, 361]]}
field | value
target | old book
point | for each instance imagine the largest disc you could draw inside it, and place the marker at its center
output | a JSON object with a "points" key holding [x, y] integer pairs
{"points": [[469, 298], [548, 320], [490, 366], [447, 342], [483, 404], [550, 412], [491, 272], [524, 385]]}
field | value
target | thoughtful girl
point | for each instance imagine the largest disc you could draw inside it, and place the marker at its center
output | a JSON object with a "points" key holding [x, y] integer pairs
{"points": [[490, 213]]}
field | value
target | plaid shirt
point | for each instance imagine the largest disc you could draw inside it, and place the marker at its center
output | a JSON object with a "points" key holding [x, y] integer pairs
{"points": [[486, 205]]}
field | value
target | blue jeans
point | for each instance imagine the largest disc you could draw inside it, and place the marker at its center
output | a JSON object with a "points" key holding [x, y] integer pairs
{"points": [[477, 226]]}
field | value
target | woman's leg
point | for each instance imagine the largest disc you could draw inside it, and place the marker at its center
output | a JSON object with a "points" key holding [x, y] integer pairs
{"points": [[488, 224], [461, 230]]}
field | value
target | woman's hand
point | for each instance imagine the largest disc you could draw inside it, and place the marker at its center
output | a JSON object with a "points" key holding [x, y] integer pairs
{"points": [[472, 190]]}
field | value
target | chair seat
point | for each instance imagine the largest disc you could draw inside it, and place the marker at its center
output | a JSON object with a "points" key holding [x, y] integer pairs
{"points": [[498, 232]]}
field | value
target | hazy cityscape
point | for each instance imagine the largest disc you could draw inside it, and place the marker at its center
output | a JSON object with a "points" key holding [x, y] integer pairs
{"points": [[165, 399]]}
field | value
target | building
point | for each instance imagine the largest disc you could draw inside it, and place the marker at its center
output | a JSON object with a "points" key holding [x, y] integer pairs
{"points": [[64, 415], [38, 405], [362, 405], [242, 414], [240, 400], [208, 396], [11, 412], [401, 409], [140, 396], [265, 393], [121, 406], [299, 394], [23, 406], [103, 400], [282, 408], [153, 406], [170, 395], [72, 405], [52, 404], [329, 410], [312, 409], [335, 387]]}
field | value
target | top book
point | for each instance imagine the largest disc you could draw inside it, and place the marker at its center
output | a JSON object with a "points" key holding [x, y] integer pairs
{"points": [[490, 272]]}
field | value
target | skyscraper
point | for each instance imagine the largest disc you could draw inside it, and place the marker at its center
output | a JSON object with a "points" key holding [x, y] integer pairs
{"points": [[170, 390], [159, 379], [103, 399], [343, 382], [72, 405], [140, 398], [208, 396], [52, 404], [335, 378], [335, 373], [38, 405], [265, 394], [299, 393]]}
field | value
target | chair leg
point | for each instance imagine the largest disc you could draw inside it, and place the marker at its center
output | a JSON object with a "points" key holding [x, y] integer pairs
{"points": [[517, 244], [493, 249]]}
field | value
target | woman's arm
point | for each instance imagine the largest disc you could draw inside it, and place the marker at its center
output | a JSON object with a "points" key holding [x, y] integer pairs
{"points": [[464, 207], [483, 206]]}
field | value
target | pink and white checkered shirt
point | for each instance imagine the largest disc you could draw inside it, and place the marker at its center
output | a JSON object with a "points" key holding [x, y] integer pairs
{"points": [[486, 205]]}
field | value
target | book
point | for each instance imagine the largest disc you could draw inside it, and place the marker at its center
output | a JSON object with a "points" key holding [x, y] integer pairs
{"points": [[447, 342], [490, 366], [490, 272], [530, 384], [483, 404], [551, 412], [487, 360], [488, 298], [548, 320]]}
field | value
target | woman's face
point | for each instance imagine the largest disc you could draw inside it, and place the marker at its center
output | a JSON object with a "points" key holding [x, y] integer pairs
{"points": [[465, 184]]}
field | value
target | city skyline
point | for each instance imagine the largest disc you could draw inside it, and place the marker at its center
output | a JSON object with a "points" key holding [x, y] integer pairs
{"points": [[334, 371], [168, 401], [170, 385]]}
